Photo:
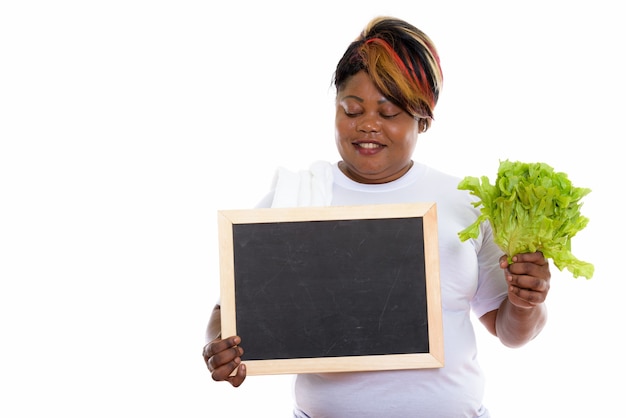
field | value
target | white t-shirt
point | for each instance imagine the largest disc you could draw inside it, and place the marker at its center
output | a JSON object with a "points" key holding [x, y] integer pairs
{"points": [[471, 279]]}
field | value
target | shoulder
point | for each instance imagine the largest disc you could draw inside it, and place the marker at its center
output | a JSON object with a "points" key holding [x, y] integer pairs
{"points": [[440, 177], [443, 185]]}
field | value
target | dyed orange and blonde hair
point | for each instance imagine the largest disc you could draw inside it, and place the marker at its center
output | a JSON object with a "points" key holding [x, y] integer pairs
{"points": [[402, 62]]}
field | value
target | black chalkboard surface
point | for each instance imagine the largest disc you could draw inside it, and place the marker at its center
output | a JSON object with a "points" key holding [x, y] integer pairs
{"points": [[332, 288]]}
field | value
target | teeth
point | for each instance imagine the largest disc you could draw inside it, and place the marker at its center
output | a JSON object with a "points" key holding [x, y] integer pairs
{"points": [[368, 145]]}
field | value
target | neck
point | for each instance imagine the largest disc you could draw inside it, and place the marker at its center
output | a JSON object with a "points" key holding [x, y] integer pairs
{"points": [[345, 169]]}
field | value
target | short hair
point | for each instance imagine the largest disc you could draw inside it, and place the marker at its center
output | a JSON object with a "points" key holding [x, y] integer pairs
{"points": [[402, 62]]}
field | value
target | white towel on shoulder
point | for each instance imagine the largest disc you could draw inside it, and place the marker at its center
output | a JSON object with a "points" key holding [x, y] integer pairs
{"points": [[312, 187]]}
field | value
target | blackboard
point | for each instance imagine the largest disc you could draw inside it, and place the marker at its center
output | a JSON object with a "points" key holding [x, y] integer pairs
{"points": [[332, 288]]}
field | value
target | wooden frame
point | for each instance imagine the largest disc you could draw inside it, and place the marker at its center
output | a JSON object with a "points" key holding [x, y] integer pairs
{"points": [[229, 221]]}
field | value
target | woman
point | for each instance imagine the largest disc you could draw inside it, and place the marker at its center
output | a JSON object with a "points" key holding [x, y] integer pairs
{"points": [[388, 83]]}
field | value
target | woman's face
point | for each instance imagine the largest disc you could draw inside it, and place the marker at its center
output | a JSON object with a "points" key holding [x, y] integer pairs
{"points": [[375, 138]]}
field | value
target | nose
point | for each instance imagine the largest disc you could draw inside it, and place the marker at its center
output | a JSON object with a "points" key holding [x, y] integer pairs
{"points": [[368, 124]]}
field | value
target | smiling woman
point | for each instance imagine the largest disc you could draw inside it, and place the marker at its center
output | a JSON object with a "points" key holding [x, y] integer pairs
{"points": [[387, 85], [386, 95]]}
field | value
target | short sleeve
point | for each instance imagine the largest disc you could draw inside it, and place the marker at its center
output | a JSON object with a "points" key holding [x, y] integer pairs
{"points": [[492, 286]]}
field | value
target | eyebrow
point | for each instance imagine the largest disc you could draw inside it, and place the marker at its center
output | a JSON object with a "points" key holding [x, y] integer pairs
{"points": [[359, 99]]}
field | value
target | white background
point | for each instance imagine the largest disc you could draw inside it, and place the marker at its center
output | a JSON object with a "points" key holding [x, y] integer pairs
{"points": [[126, 125]]}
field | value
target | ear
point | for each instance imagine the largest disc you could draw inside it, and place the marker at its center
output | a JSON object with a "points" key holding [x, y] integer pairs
{"points": [[423, 125]]}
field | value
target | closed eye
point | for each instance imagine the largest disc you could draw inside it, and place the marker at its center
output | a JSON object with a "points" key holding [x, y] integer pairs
{"points": [[382, 115]]}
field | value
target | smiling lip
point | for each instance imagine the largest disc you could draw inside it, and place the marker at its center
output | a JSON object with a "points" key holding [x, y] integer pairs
{"points": [[368, 148]]}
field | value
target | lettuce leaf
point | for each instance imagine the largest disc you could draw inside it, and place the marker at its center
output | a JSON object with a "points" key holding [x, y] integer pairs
{"points": [[530, 208]]}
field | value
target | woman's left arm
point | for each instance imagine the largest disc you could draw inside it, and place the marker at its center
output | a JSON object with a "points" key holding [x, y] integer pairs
{"points": [[523, 314]]}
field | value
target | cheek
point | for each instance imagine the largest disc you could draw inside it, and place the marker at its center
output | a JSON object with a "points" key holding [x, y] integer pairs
{"points": [[343, 128], [404, 134]]}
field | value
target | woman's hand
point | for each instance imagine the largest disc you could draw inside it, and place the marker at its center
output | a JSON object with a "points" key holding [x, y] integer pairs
{"points": [[222, 357], [522, 315], [528, 278]]}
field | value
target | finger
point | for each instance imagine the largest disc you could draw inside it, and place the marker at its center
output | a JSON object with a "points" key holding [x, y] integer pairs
{"points": [[224, 357], [531, 283], [216, 346], [239, 377], [220, 345], [225, 371], [207, 352], [519, 302], [525, 298], [536, 258], [539, 269], [533, 286]]}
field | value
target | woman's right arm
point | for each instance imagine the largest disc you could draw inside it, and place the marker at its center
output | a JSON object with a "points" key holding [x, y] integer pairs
{"points": [[223, 356]]}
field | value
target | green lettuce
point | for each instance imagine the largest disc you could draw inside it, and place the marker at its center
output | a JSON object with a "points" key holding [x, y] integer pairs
{"points": [[530, 208]]}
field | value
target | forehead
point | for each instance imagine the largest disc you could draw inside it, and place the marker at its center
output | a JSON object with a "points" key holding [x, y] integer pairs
{"points": [[361, 88], [361, 81]]}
